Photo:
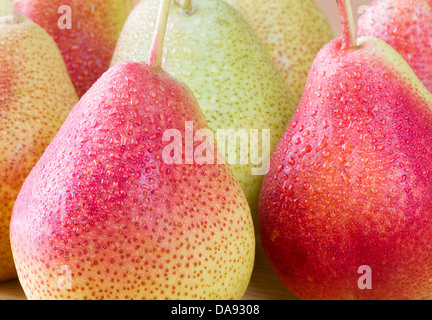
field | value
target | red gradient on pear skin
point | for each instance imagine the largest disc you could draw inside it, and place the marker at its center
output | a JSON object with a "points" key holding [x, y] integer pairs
{"points": [[406, 25], [88, 46], [102, 202], [350, 184]]}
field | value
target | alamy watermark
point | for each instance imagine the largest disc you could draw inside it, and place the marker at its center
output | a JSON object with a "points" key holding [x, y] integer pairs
{"points": [[365, 280], [65, 20], [240, 146], [64, 280]]}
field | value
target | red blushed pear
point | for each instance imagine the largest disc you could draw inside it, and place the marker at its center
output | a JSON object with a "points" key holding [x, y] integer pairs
{"points": [[85, 31], [101, 216], [346, 209], [406, 25]]}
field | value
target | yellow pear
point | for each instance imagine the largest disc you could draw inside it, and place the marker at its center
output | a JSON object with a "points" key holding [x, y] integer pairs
{"points": [[36, 95], [292, 30]]}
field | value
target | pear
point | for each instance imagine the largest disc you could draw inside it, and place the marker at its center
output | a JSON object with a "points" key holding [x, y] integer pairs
{"points": [[36, 95], [293, 31], [406, 25], [85, 31], [212, 48], [345, 210], [5, 7], [104, 215]]}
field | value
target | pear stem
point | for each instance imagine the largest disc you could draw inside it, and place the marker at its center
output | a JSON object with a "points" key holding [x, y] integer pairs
{"points": [[156, 51], [349, 35]]}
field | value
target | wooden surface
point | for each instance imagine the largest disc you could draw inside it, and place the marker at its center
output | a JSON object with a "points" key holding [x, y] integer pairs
{"points": [[264, 284], [11, 290]]}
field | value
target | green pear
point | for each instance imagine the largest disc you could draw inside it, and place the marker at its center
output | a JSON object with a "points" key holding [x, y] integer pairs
{"points": [[212, 48], [36, 95], [293, 32]]}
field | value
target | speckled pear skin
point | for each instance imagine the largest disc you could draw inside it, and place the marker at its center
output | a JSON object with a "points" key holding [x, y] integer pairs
{"points": [[350, 182], [406, 25], [102, 202], [88, 46], [36, 95], [218, 55], [295, 33]]}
